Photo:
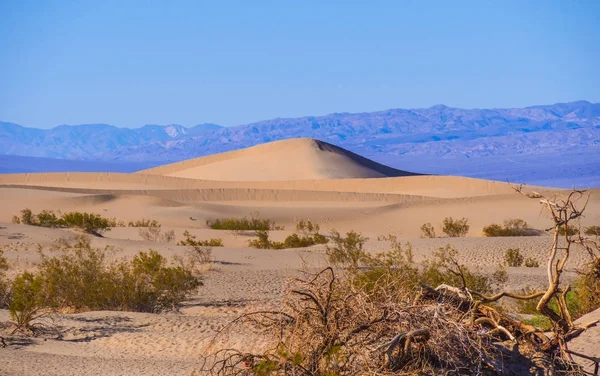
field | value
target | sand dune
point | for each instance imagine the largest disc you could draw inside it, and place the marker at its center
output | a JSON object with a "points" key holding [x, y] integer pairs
{"points": [[284, 181], [293, 159]]}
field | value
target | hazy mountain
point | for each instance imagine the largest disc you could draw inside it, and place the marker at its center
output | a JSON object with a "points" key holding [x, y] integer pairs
{"points": [[492, 143]]}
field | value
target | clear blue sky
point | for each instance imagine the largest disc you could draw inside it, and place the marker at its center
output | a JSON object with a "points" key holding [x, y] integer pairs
{"points": [[130, 63]]}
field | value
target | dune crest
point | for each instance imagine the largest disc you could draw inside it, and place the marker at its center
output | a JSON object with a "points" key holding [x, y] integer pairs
{"points": [[292, 159]]}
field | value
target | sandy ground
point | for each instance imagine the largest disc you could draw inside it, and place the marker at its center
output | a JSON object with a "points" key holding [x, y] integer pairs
{"points": [[184, 195]]}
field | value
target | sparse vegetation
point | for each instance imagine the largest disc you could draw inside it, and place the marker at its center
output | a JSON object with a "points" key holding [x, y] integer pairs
{"points": [[427, 231], [254, 223], [143, 223], [513, 257], [80, 278], [455, 227], [511, 227], [568, 230], [153, 233], [592, 231], [190, 240], [346, 251], [307, 227], [531, 263], [88, 222]]}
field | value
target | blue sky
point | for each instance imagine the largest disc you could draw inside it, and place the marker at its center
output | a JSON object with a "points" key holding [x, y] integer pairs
{"points": [[130, 63]]}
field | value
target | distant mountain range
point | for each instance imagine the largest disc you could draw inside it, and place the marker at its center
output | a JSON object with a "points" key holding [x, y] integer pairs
{"points": [[533, 140]]}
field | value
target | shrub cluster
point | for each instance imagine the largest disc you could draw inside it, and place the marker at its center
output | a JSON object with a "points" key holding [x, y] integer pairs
{"points": [[427, 231], [253, 223], [80, 278], [144, 223], [455, 227], [511, 227], [88, 222], [514, 258], [306, 226], [291, 241], [190, 240]]}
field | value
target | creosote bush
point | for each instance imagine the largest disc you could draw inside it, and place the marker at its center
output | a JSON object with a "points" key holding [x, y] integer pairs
{"points": [[455, 227], [190, 240], [531, 263], [254, 223], [346, 251], [592, 231], [88, 222], [513, 257], [80, 278], [144, 223], [307, 227], [291, 241], [568, 230], [4, 283], [427, 231], [511, 227]]}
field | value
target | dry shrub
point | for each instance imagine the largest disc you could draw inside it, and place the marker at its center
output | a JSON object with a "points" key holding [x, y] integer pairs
{"points": [[144, 223], [153, 233], [427, 230], [329, 326], [455, 227], [307, 227], [4, 283], [592, 231], [531, 263], [291, 241]]}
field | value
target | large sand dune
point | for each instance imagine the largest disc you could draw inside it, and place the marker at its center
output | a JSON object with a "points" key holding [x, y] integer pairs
{"points": [[293, 159], [284, 181]]}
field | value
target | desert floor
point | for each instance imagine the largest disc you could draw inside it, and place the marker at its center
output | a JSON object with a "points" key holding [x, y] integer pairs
{"points": [[242, 278]]}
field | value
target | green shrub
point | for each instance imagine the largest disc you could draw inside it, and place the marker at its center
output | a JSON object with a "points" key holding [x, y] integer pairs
{"points": [[511, 227], [427, 231], [88, 222], [262, 242], [254, 223], [190, 240], [513, 257], [568, 230], [455, 227], [346, 251], [4, 283], [27, 300], [592, 231], [80, 278]]}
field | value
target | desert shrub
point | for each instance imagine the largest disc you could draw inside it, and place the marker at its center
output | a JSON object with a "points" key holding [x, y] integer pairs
{"points": [[455, 227], [88, 222], [291, 241], [588, 286], [568, 230], [26, 301], [254, 223], [444, 269], [531, 263], [306, 226], [329, 326], [513, 257], [4, 283], [346, 251], [190, 240], [427, 231], [592, 231], [80, 278], [143, 223], [262, 242], [511, 227], [153, 233]]}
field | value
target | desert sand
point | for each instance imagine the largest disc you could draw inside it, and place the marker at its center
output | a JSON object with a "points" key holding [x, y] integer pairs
{"points": [[284, 181]]}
